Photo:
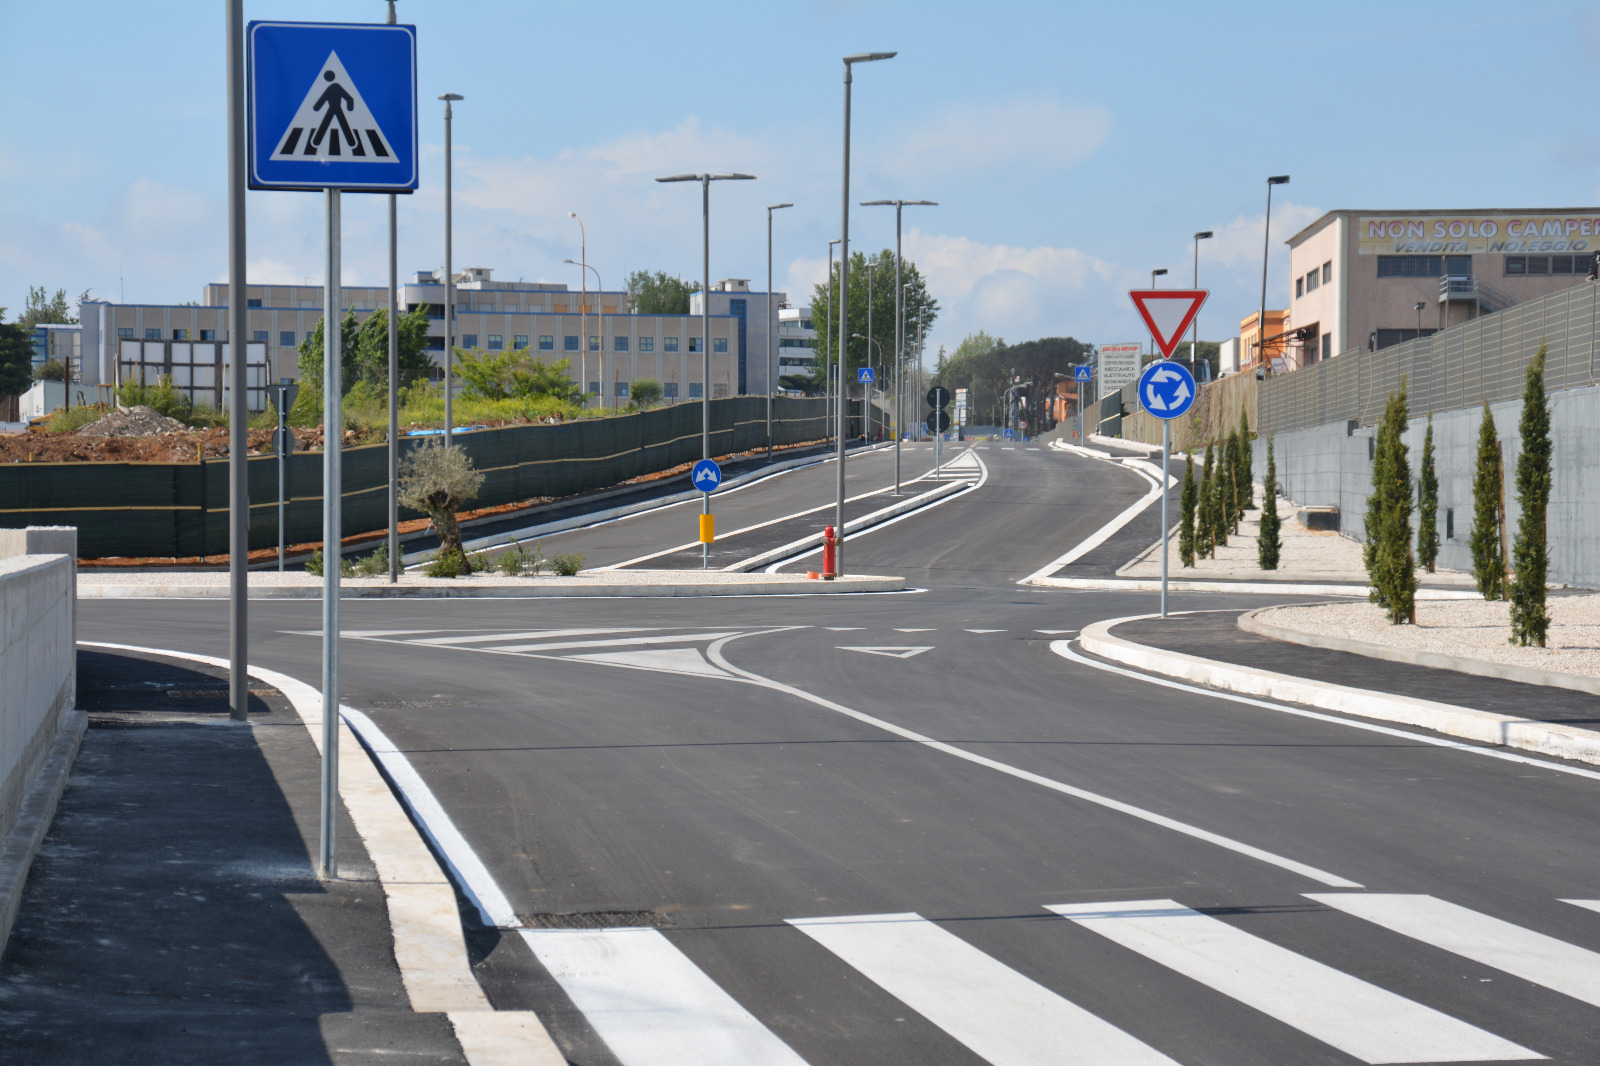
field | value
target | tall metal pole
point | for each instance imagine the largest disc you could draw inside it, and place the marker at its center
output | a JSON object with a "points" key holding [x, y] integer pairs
{"points": [[1166, 462], [1266, 245], [899, 350], [239, 411], [394, 386], [449, 283], [1194, 338], [866, 390], [705, 348], [772, 330], [583, 307], [332, 538], [827, 360]]}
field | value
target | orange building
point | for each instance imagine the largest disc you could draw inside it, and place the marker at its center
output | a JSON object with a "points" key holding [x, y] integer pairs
{"points": [[1250, 354]]}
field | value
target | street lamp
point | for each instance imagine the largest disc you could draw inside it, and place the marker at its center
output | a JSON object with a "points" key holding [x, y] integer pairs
{"points": [[1154, 274], [583, 310], [1420, 306], [449, 278], [899, 325], [705, 181], [583, 307], [772, 330], [1266, 244], [1194, 338], [844, 295], [827, 357]]}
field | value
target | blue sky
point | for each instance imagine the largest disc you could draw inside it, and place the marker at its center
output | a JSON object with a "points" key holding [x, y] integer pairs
{"points": [[1072, 147]]}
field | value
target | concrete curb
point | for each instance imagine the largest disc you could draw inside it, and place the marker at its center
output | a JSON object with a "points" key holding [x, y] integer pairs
{"points": [[429, 945], [866, 521], [33, 816], [536, 588], [1528, 675], [1565, 742], [1141, 584]]}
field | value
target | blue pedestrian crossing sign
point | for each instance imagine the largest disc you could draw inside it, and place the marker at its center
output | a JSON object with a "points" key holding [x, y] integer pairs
{"points": [[1082, 373], [1166, 389], [864, 375], [706, 475], [332, 106]]}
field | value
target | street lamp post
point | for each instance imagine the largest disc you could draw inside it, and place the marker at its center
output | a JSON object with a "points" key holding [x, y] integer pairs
{"points": [[1154, 274], [705, 181], [827, 358], [844, 297], [449, 277], [394, 385], [1420, 306], [1266, 245], [772, 330], [1194, 338], [899, 326], [600, 287], [583, 307]]}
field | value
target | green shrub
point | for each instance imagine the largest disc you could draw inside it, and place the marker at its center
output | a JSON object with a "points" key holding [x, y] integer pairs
{"points": [[446, 563], [375, 564], [72, 419], [1428, 505], [1191, 495], [1269, 544], [1391, 567], [1488, 558], [314, 565], [161, 398], [1530, 621], [567, 565]]}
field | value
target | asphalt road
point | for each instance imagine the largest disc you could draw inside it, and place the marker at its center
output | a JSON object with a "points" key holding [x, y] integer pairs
{"points": [[833, 829]]}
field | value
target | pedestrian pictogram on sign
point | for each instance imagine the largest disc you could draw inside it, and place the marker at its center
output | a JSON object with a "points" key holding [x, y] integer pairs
{"points": [[333, 105], [864, 375], [1167, 313], [1082, 373]]}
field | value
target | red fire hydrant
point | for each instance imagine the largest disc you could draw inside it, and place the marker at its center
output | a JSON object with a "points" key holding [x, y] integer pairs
{"points": [[830, 545]]}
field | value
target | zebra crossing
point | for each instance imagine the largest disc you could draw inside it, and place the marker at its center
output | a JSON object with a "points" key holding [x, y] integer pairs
{"points": [[653, 1006]]}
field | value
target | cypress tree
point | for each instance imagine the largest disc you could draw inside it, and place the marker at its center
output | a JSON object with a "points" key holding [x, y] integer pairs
{"points": [[1191, 493], [1228, 476], [1529, 621], [1219, 504], [1269, 543], [1428, 505], [1387, 553], [1488, 564], [1206, 535], [1246, 465]]}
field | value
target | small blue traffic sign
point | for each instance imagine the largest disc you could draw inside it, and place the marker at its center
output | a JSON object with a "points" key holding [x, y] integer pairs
{"points": [[1082, 373], [706, 475], [864, 375], [1166, 389], [332, 106]]}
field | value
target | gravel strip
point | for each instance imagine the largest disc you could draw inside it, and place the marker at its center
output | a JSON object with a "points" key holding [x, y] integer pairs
{"points": [[1475, 628]]}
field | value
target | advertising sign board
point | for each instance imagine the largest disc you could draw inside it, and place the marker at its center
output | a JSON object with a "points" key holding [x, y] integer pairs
{"points": [[1119, 364]]}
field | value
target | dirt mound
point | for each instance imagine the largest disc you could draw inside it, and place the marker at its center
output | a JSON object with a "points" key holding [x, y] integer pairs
{"points": [[137, 421]]}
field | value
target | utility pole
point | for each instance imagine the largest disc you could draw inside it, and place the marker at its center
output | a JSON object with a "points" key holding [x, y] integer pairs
{"points": [[238, 409]]}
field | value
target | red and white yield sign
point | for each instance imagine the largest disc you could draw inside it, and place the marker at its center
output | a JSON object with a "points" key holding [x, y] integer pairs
{"points": [[1168, 313]]}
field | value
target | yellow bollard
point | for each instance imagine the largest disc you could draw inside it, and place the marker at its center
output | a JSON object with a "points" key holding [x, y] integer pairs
{"points": [[707, 529]]}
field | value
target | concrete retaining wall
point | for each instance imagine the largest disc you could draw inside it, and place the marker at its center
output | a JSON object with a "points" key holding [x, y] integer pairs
{"points": [[38, 658], [1330, 464]]}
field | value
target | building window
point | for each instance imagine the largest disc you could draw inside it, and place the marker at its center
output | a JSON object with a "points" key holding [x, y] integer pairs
{"points": [[669, 344], [208, 334], [1409, 266], [1385, 338], [696, 390], [570, 343], [805, 323], [436, 344], [180, 334], [647, 344], [1299, 287], [1327, 346], [1516, 265], [1458, 266], [594, 343], [622, 390], [519, 341], [125, 332], [1313, 279], [547, 342], [719, 390], [670, 390], [1327, 272], [694, 344], [619, 344], [497, 342], [151, 334], [286, 338], [469, 340], [259, 335], [1561, 264], [594, 388], [1449, 523], [1538, 264], [252, 303], [719, 345]]}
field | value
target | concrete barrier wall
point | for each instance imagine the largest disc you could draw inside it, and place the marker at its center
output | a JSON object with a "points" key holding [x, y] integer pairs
{"points": [[38, 658], [1331, 464]]}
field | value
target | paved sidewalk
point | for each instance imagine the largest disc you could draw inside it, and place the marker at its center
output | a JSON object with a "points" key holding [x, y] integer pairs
{"points": [[1215, 635], [173, 914]]}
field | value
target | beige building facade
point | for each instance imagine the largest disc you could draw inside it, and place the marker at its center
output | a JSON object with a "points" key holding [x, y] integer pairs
{"points": [[1369, 279]]}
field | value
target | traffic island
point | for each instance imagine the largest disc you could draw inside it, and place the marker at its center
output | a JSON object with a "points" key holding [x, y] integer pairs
{"points": [[300, 585]]}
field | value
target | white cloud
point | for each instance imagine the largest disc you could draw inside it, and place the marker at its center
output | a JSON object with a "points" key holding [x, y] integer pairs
{"points": [[1041, 132]]}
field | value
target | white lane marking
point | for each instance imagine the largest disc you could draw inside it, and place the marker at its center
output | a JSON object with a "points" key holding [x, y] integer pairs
{"points": [[1002, 1016], [983, 476], [1054, 632], [843, 629], [985, 631], [915, 631], [1356, 1017], [1101, 535], [532, 634], [1534, 957], [1586, 904], [620, 642], [667, 660], [714, 653], [1063, 648], [891, 651], [651, 1004]]}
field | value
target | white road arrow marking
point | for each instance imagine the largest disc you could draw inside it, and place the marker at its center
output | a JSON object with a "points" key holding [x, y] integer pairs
{"points": [[891, 651]]}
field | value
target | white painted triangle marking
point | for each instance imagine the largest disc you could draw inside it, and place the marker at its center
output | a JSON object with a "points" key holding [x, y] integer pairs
{"points": [[666, 660], [333, 122], [531, 634], [890, 650]]}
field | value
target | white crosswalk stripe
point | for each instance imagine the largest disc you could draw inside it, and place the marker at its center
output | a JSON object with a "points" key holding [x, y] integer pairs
{"points": [[1002, 1016], [1521, 952], [1356, 1017]]}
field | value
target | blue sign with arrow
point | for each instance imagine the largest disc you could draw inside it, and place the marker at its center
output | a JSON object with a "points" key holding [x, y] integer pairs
{"points": [[864, 375], [1166, 389], [706, 475], [1082, 373], [332, 106]]}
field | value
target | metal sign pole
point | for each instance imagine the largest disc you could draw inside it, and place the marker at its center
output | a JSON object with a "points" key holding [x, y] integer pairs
{"points": [[1166, 463], [283, 423], [331, 539], [239, 412]]}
